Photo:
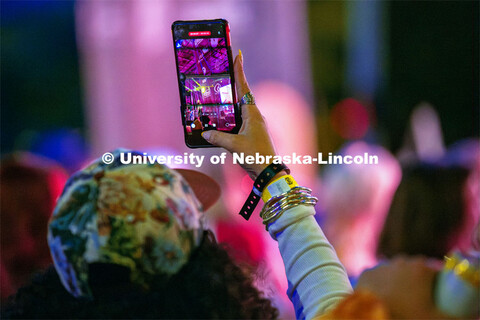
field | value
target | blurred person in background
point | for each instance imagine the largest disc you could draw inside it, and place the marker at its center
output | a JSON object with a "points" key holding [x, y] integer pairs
{"points": [[416, 287], [437, 204], [30, 186], [355, 202], [433, 216], [433, 212], [403, 288]]}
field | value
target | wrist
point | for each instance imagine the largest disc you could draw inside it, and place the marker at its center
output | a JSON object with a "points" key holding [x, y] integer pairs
{"points": [[261, 181], [278, 175], [259, 166], [257, 170]]}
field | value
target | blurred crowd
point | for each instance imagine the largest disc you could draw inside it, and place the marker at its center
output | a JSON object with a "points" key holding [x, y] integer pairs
{"points": [[389, 224]]}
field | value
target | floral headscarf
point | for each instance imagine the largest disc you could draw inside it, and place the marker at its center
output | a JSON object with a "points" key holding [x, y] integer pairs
{"points": [[144, 217]]}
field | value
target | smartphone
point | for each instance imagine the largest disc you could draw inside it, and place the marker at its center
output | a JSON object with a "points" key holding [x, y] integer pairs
{"points": [[206, 83]]}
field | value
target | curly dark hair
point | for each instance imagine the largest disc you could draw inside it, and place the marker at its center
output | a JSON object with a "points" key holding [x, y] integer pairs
{"points": [[209, 286]]}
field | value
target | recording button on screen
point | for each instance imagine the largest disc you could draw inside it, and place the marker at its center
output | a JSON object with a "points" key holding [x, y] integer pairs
{"points": [[199, 33]]}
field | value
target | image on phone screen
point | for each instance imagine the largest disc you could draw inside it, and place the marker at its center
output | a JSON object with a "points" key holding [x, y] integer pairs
{"points": [[205, 77]]}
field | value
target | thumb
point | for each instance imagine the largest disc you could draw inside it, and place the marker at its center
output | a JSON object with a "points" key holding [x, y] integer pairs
{"points": [[220, 139]]}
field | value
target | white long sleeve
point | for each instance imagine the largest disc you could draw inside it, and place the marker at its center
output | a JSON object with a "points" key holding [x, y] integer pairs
{"points": [[317, 280]]}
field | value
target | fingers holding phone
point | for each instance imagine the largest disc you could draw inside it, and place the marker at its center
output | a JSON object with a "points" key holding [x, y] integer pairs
{"points": [[253, 136]]}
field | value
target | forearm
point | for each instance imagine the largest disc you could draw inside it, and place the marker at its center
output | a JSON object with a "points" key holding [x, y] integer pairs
{"points": [[317, 280]]}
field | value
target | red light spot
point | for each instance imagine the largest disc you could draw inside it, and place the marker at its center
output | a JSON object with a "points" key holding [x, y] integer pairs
{"points": [[349, 118]]}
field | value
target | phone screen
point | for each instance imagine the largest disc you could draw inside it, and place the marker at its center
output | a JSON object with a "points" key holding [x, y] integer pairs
{"points": [[205, 77]]}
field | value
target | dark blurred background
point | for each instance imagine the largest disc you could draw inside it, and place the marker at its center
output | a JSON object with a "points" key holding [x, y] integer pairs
{"points": [[426, 51], [41, 85], [41, 90], [429, 53]]}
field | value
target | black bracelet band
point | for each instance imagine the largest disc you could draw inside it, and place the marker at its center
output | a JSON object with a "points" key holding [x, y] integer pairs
{"points": [[260, 183]]}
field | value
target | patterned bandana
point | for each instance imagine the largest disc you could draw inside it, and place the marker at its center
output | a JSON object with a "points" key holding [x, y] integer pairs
{"points": [[144, 217]]}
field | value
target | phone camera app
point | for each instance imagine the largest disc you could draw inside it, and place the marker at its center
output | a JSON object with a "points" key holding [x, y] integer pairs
{"points": [[205, 82]]}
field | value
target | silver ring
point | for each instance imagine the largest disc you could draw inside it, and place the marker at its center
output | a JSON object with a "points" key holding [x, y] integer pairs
{"points": [[247, 98]]}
